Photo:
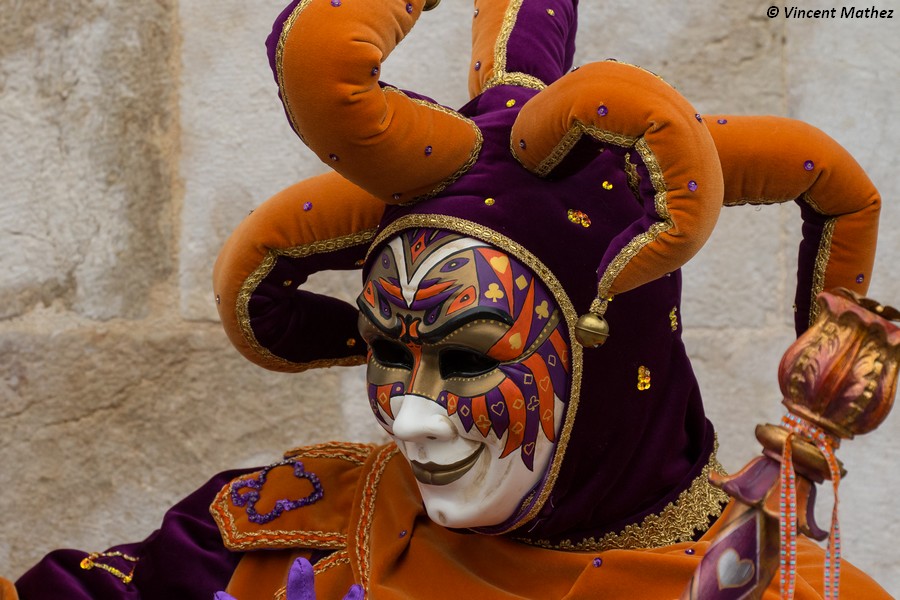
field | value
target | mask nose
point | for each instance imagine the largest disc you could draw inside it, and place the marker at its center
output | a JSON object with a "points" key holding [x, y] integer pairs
{"points": [[419, 419]]}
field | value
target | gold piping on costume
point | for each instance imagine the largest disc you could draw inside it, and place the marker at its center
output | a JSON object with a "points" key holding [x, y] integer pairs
{"points": [[367, 509], [641, 240], [500, 75], [822, 258], [571, 138], [279, 63], [347, 451], [677, 522], [242, 304], [341, 557], [634, 178], [498, 240], [269, 538]]}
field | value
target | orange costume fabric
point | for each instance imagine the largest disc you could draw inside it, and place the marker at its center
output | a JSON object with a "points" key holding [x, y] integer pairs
{"points": [[373, 522]]}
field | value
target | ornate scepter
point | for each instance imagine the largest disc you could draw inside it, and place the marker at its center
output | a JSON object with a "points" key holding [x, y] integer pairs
{"points": [[838, 380]]}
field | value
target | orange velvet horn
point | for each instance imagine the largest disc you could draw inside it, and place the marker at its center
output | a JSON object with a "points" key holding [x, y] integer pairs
{"points": [[396, 147], [771, 160], [622, 105]]}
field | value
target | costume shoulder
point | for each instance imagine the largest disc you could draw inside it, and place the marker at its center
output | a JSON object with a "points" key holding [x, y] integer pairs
{"points": [[184, 558], [259, 510]]}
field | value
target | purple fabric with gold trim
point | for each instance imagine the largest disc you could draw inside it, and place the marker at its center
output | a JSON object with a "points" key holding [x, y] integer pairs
{"points": [[641, 437]]}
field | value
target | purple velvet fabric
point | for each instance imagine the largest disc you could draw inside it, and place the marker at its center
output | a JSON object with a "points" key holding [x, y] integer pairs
{"points": [[185, 558], [283, 315], [544, 44]]}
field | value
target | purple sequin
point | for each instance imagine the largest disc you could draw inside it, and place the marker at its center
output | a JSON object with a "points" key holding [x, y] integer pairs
{"points": [[692, 185], [428, 150], [598, 562], [409, 8], [602, 110], [722, 121], [477, 65], [476, 12], [396, 196], [860, 278], [307, 206], [698, 117], [375, 71], [809, 165], [334, 157], [522, 144], [335, 3], [690, 551], [403, 533], [250, 498]]}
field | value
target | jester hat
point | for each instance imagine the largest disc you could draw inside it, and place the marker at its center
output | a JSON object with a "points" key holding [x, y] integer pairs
{"points": [[602, 180]]}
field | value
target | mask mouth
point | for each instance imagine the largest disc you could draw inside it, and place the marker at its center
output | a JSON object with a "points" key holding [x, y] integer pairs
{"points": [[436, 474]]}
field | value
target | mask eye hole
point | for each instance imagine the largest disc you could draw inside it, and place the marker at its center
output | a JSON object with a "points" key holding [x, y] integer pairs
{"points": [[391, 354], [463, 362]]}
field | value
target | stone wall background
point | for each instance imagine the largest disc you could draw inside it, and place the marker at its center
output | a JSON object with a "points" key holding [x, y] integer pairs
{"points": [[135, 135]]}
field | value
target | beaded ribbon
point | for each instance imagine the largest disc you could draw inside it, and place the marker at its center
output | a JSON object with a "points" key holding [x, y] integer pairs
{"points": [[826, 443], [90, 562], [250, 498]]}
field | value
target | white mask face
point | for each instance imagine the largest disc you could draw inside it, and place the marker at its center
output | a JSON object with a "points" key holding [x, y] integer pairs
{"points": [[468, 360]]}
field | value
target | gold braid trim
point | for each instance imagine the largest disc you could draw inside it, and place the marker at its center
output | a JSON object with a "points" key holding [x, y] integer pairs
{"points": [[347, 451], [517, 79], [498, 240], [634, 178], [677, 522], [269, 538], [571, 138], [367, 511], [500, 75], [822, 258], [279, 63], [242, 304], [639, 241]]}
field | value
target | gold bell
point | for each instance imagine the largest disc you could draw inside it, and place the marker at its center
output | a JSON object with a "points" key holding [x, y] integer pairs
{"points": [[591, 330], [429, 4]]}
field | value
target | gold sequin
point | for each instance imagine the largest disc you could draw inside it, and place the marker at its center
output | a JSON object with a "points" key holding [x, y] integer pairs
{"points": [[673, 318], [510, 103], [287, 283], [607, 185], [351, 343], [489, 201], [643, 379], [551, 12], [576, 216]]}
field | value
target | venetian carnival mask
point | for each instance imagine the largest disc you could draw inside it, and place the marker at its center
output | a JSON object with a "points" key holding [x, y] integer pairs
{"points": [[468, 361]]}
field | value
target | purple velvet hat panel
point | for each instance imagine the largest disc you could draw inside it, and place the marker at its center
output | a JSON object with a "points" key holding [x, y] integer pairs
{"points": [[300, 326]]}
